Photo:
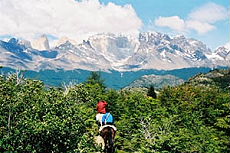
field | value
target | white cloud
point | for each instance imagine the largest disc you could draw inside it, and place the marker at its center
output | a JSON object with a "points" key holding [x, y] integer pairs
{"points": [[74, 19], [200, 27], [202, 19], [209, 13], [173, 22], [227, 45]]}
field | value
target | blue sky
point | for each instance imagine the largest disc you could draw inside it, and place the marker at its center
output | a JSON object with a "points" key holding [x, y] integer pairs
{"points": [[150, 10], [205, 20]]}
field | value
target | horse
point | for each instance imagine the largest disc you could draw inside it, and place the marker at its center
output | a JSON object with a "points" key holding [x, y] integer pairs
{"points": [[108, 134]]}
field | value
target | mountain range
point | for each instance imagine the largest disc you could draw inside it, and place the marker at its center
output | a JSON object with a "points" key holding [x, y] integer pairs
{"points": [[105, 52]]}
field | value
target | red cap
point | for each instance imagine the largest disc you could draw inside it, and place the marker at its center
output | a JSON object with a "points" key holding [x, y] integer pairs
{"points": [[101, 106]]}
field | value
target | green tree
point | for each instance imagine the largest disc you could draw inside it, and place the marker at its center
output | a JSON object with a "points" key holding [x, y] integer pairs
{"points": [[95, 78]]}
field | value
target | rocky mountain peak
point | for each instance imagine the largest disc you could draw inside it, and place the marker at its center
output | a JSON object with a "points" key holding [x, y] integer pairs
{"points": [[13, 41], [223, 52], [67, 45], [25, 43], [63, 40], [153, 38], [42, 43]]}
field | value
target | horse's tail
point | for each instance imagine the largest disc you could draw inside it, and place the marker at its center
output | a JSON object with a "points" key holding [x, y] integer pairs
{"points": [[108, 134], [111, 139]]}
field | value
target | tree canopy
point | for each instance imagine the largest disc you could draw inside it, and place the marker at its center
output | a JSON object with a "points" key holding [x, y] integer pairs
{"points": [[186, 118]]}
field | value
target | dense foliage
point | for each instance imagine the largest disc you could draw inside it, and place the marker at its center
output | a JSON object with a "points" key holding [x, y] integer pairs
{"points": [[186, 118]]}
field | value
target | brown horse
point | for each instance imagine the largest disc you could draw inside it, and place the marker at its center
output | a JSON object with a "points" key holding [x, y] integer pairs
{"points": [[108, 134]]}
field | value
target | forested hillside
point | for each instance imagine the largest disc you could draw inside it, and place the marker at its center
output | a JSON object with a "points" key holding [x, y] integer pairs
{"points": [[113, 79], [182, 119], [217, 77], [159, 81]]}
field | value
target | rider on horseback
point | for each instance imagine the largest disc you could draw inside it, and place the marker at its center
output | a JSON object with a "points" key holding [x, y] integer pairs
{"points": [[107, 129], [104, 117]]}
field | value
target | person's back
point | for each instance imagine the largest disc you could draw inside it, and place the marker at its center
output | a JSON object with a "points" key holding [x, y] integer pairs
{"points": [[107, 119], [101, 110]]}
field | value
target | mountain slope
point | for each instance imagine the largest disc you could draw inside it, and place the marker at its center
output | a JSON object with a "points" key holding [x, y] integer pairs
{"points": [[217, 77], [158, 81], [19, 54]]}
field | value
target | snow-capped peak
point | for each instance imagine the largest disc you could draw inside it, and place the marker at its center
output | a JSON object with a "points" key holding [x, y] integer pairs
{"points": [[179, 36], [42, 43], [26, 43], [63, 40]]}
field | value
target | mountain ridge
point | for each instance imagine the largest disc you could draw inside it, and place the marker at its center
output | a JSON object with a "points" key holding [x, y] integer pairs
{"points": [[158, 81], [151, 50]]}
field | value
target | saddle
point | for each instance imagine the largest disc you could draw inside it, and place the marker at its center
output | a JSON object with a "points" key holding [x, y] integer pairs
{"points": [[112, 126]]}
